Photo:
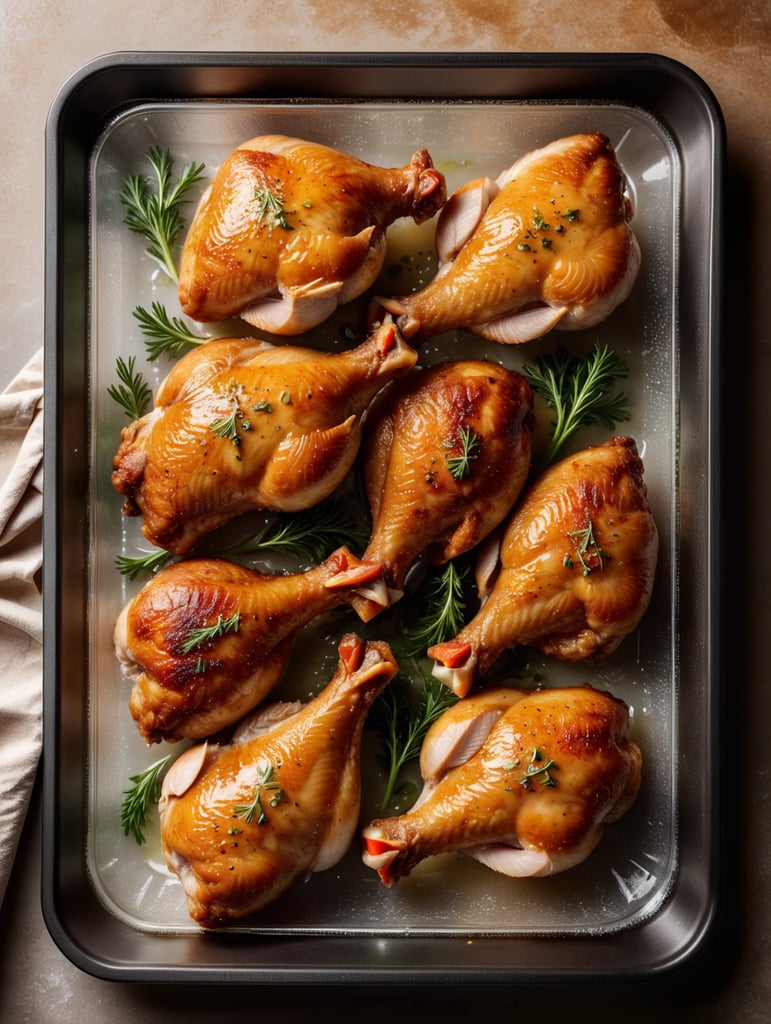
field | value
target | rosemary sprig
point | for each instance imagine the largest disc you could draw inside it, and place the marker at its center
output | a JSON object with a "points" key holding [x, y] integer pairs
{"points": [[156, 214], [133, 393], [579, 391], [586, 547], [166, 335], [271, 210], [401, 723], [311, 534], [201, 635], [460, 465], [267, 782], [443, 596], [146, 790], [132, 566]]}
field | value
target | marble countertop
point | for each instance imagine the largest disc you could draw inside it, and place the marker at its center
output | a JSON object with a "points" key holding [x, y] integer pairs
{"points": [[728, 44]]}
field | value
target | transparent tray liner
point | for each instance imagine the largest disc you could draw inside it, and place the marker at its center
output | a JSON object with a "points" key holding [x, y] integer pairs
{"points": [[628, 877]]}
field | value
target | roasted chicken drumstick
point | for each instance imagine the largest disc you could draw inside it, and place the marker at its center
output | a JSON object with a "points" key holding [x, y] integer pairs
{"points": [[577, 563], [445, 456], [205, 640], [239, 823], [289, 229], [522, 782], [548, 244], [240, 424]]}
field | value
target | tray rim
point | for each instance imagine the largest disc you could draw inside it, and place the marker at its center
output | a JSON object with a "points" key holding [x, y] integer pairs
{"points": [[146, 65]]}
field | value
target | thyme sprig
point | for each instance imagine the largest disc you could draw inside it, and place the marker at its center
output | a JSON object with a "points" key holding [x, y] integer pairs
{"points": [[146, 790], [133, 394], [153, 208], [267, 782], [401, 722], [166, 335], [579, 391]]}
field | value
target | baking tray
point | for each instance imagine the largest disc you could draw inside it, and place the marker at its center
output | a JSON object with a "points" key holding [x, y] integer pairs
{"points": [[645, 903]]}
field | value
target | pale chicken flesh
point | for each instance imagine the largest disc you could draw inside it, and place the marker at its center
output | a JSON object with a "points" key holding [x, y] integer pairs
{"points": [[548, 244], [575, 569], [446, 454], [521, 781], [240, 424], [206, 640], [240, 823], [290, 229]]}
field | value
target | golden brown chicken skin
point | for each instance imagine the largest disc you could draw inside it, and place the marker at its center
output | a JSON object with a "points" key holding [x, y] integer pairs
{"points": [[523, 782], [240, 823], [576, 567], [206, 640], [289, 229], [548, 244], [446, 454], [240, 424]]}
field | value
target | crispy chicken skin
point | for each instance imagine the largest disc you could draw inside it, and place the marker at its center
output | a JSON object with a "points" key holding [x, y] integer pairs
{"points": [[576, 567], [522, 782], [548, 244], [240, 424], [285, 269], [188, 689], [305, 770], [425, 498]]}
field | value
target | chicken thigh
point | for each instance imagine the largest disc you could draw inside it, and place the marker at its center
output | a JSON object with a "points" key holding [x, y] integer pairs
{"points": [[205, 640], [289, 229], [522, 782], [548, 244], [240, 823], [576, 567], [446, 453], [240, 424]]}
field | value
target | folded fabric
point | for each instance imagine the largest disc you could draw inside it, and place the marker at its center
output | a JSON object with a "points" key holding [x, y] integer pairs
{"points": [[21, 616]]}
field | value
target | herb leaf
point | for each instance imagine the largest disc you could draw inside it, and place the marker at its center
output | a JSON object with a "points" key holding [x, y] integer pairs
{"points": [[579, 392], [587, 548], [133, 393], [271, 209], [132, 566], [205, 634], [166, 335], [443, 599], [311, 534], [460, 465], [402, 723], [146, 790], [156, 214], [267, 781]]}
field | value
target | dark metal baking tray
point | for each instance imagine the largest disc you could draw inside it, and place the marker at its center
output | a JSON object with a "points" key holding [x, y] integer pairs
{"points": [[647, 903]]}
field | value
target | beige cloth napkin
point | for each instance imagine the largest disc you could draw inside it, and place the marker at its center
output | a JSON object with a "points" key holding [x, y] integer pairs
{"points": [[21, 617]]}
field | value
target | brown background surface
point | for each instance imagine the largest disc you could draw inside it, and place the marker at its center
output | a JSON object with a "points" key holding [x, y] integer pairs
{"points": [[729, 45]]}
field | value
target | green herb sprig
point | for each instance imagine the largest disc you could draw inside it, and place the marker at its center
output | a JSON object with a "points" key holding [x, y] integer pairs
{"points": [[460, 465], [146, 790], [401, 722], [201, 635], [155, 213], [443, 600], [579, 391], [166, 335], [133, 394], [267, 782], [132, 566], [311, 534], [270, 209]]}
